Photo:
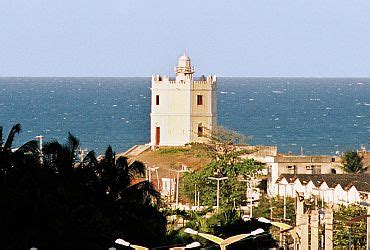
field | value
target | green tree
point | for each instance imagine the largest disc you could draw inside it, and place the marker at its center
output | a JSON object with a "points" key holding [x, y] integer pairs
{"points": [[341, 230], [352, 162], [225, 150]]}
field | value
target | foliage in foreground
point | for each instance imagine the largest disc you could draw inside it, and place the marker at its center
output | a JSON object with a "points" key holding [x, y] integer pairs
{"points": [[226, 223], [62, 203], [341, 230]]}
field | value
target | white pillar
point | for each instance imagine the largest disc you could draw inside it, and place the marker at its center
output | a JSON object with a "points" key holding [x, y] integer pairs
{"points": [[177, 190], [304, 230], [314, 230], [218, 194], [328, 229], [368, 225]]}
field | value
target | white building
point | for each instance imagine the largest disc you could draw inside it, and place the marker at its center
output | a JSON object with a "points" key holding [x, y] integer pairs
{"points": [[299, 165], [330, 188], [182, 109]]}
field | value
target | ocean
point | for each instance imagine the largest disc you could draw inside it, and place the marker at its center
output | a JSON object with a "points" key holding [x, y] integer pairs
{"points": [[321, 115]]}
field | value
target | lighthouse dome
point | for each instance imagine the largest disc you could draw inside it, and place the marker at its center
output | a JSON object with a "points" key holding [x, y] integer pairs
{"points": [[184, 61]]}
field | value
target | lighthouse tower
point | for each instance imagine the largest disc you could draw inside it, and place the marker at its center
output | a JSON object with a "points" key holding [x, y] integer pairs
{"points": [[183, 109]]}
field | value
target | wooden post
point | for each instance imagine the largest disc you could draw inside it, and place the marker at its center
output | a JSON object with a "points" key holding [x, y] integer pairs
{"points": [[314, 230]]}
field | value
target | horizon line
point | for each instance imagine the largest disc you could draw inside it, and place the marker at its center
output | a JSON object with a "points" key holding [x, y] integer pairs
{"points": [[25, 76]]}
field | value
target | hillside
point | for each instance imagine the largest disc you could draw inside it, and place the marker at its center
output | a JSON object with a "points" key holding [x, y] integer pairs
{"points": [[167, 158]]}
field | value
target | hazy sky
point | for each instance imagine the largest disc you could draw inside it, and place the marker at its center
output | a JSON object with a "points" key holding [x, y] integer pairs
{"points": [[226, 38]]}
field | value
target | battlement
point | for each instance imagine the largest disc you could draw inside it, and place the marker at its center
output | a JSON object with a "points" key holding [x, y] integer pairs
{"points": [[206, 80], [157, 79], [201, 81]]}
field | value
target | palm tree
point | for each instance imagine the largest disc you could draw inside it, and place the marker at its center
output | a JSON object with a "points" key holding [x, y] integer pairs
{"points": [[10, 158], [118, 175], [352, 162], [61, 157], [66, 203], [135, 205], [106, 190], [9, 141]]}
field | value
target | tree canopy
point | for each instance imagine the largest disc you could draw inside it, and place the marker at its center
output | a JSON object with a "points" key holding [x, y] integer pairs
{"points": [[227, 161], [68, 203], [352, 162]]}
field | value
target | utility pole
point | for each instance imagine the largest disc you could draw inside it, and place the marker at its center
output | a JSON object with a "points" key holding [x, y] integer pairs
{"points": [[218, 179], [284, 216], [82, 154], [284, 207], [183, 170], [40, 138], [195, 195], [250, 188]]}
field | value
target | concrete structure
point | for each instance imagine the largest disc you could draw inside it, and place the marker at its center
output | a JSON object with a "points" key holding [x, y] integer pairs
{"points": [[314, 223], [182, 109], [328, 220]]}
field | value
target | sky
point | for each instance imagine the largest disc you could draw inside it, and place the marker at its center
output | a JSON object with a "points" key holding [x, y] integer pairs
{"points": [[312, 38]]}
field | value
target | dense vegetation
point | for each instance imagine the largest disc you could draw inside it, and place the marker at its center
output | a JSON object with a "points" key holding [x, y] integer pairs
{"points": [[62, 202], [226, 161], [226, 223], [342, 230], [352, 162]]}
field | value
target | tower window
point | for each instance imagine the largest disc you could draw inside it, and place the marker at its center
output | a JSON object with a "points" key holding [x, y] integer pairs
{"points": [[200, 130], [199, 99], [157, 100]]}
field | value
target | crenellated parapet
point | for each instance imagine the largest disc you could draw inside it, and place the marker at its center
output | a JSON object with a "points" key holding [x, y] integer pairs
{"points": [[208, 82]]}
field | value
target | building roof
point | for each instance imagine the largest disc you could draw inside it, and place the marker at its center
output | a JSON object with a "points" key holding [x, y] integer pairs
{"points": [[306, 159], [360, 181]]}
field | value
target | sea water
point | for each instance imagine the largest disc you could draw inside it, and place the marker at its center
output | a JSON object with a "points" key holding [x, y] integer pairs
{"points": [[319, 115]]}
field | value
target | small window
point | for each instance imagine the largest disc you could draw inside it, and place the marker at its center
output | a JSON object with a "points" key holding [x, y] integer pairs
{"points": [[200, 130], [199, 99], [157, 100], [316, 169]]}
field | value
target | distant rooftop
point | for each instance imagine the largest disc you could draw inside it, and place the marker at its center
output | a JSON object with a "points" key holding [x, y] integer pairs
{"points": [[360, 181]]}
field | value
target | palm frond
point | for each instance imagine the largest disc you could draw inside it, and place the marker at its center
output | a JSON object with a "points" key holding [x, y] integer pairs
{"points": [[52, 147], [9, 141], [72, 143], [1, 137], [109, 156], [137, 167], [142, 192], [30, 147], [90, 158]]}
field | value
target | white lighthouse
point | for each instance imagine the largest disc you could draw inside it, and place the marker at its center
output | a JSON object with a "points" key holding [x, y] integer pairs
{"points": [[183, 109]]}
